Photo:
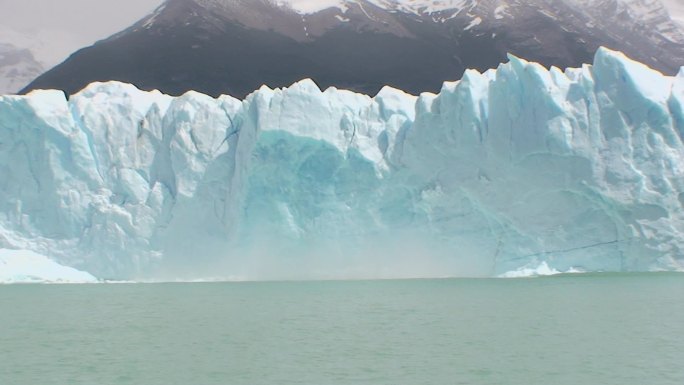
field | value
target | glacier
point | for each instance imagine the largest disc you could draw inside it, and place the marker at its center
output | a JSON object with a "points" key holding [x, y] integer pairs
{"points": [[575, 170]]}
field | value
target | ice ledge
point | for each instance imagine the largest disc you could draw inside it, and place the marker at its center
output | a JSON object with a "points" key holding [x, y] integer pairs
{"points": [[24, 266]]}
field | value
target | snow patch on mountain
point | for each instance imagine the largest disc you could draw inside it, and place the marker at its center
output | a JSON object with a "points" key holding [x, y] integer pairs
{"points": [[637, 8], [654, 16], [418, 7], [425, 6], [312, 6], [648, 14]]}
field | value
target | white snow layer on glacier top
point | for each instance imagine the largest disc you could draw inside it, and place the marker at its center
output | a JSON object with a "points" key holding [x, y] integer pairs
{"points": [[521, 166]]}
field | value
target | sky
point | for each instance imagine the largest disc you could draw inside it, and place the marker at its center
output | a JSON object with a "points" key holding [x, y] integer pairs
{"points": [[53, 29], [676, 9], [94, 17]]}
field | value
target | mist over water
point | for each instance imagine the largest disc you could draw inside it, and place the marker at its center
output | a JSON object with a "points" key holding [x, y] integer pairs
{"points": [[405, 255]]}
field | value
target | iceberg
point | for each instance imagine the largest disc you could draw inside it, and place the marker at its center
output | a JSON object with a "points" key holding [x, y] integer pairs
{"points": [[518, 166]]}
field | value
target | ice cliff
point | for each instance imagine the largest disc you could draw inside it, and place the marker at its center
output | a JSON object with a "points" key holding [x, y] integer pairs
{"points": [[513, 168]]}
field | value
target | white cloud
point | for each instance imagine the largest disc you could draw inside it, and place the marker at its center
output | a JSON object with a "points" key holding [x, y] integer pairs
{"points": [[676, 8], [96, 18]]}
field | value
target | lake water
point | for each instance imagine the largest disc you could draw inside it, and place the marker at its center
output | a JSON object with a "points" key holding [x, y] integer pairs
{"points": [[582, 329]]}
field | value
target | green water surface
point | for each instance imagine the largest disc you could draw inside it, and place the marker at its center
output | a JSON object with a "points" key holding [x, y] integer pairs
{"points": [[586, 329]]}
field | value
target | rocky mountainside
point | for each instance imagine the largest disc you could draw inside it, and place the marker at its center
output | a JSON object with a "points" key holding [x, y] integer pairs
{"points": [[235, 46]]}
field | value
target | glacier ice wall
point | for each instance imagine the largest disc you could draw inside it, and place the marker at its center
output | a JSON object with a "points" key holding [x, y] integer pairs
{"points": [[514, 167]]}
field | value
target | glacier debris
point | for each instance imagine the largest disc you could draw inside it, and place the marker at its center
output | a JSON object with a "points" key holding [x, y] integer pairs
{"points": [[518, 166]]}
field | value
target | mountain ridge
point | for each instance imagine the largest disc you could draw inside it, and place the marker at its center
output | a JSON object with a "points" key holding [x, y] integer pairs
{"points": [[235, 46]]}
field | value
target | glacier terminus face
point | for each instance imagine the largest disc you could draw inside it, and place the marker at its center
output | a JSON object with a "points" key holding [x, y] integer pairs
{"points": [[511, 169]]}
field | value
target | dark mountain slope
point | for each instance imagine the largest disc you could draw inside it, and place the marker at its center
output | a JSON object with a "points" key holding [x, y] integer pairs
{"points": [[235, 46]]}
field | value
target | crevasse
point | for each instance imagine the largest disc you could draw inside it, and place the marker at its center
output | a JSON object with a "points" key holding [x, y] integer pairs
{"points": [[519, 166]]}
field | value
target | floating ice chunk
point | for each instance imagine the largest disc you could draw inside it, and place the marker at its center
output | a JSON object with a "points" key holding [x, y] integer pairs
{"points": [[542, 269]]}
